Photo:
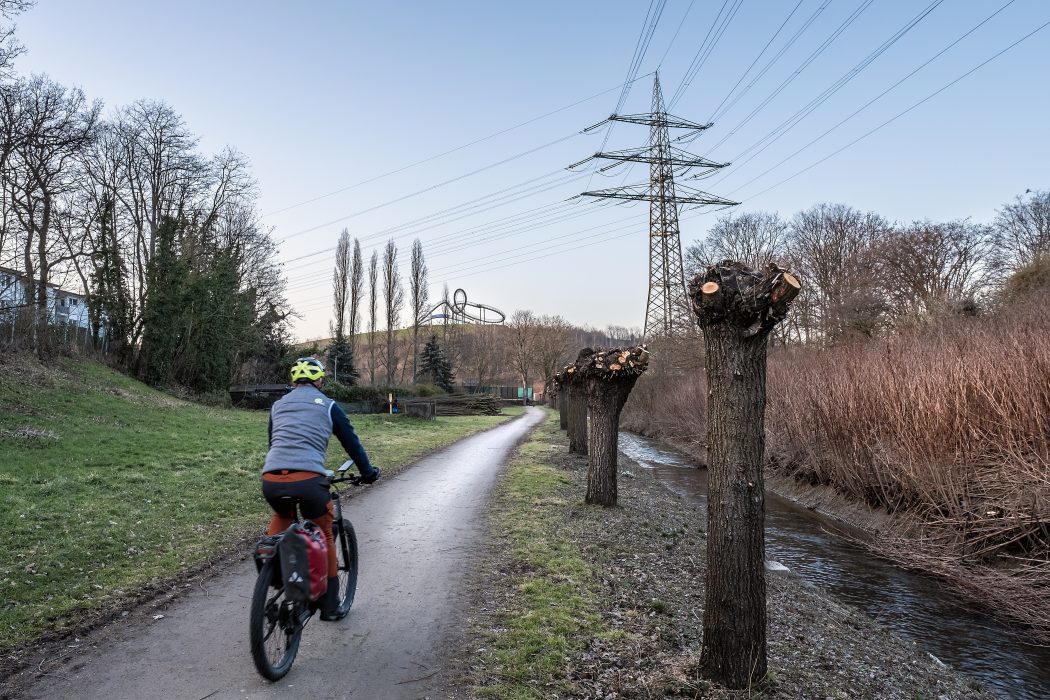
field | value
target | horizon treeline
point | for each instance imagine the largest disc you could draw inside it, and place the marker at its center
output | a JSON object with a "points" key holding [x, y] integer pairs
{"points": [[863, 274]]}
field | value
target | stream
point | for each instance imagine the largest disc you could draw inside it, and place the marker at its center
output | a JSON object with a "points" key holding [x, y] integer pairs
{"points": [[916, 607]]}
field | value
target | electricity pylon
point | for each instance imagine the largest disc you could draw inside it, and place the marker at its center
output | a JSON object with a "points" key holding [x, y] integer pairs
{"points": [[667, 312]]}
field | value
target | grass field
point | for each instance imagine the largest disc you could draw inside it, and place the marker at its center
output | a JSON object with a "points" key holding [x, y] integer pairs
{"points": [[107, 486]]}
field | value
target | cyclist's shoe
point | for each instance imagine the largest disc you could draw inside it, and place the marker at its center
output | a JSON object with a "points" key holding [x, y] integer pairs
{"points": [[372, 476], [330, 602]]}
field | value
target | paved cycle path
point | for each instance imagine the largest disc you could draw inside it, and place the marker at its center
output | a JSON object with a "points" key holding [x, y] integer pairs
{"points": [[417, 532]]}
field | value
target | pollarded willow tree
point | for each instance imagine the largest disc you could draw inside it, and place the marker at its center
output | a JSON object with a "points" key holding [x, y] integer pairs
{"points": [[561, 382], [576, 383], [610, 375], [737, 307]]}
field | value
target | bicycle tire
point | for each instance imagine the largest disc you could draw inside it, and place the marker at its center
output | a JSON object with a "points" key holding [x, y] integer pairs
{"points": [[272, 615], [346, 553]]}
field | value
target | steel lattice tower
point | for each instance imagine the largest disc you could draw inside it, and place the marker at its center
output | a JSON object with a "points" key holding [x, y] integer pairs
{"points": [[667, 311]]}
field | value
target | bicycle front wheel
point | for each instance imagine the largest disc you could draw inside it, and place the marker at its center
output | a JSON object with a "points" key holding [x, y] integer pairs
{"points": [[275, 627], [346, 553]]}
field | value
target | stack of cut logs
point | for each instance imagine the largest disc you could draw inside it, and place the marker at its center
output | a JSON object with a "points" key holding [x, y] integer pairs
{"points": [[468, 405], [611, 364]]}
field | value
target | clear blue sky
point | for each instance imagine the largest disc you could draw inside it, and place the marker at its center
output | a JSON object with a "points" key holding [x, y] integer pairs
{"points": [[324, 95]]}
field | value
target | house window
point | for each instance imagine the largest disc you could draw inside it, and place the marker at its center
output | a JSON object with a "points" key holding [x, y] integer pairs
{"points": [[74, 301]]}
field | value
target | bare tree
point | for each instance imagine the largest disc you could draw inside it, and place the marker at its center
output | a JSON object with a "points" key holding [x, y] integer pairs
{"points": [[341, 284], [928, 269], [1022, 229], [55, 127], [834, 247], [373, 309], [552, 347], [393, 299], [754, 238], [525, 326], [419, 293], [10, 48], [483, 353], [357, 270]]}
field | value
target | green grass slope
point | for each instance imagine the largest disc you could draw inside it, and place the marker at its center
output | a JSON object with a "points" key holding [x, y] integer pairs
{"points": [[108, 486]]}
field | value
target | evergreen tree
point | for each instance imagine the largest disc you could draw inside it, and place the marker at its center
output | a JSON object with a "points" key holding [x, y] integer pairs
{"points": [[341, 365], [163, 315], [434, 366]]}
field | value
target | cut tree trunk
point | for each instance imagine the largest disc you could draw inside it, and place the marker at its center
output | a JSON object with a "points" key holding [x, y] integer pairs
{"points": [[577, 425], [611, 374], [605, 399], [737, 307], [563, 406]]}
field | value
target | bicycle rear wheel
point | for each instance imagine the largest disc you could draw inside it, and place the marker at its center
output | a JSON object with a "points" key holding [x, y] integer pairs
{"points": [[346, 553], [275, 627]]}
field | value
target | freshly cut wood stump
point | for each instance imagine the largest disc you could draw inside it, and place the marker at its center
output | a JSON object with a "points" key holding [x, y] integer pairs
{"points": [[611, 375], [737, 307]]}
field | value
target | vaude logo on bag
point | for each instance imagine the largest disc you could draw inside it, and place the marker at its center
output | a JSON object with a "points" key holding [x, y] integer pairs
{"points": [[295, 577]]}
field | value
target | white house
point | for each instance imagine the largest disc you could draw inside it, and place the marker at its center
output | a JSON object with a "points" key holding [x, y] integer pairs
{"points": [[63, 306]]}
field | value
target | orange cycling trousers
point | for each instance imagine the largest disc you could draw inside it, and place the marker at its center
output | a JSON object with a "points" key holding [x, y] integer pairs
{"points": [[310, 489]]}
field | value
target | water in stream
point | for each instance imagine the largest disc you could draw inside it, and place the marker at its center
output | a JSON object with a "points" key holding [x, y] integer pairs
{"points": [[918, 608]]}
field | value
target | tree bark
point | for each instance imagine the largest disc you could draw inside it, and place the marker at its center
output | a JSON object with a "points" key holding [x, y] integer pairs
{"points": [[734, 650], [577, 424], [736, 308], [563, 406], [605, 400]]}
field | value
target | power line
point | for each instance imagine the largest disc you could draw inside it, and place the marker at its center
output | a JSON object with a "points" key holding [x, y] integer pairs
{"points": [[429, 188], [640, 49], [798, 71], [759, 56], [446, 153], [431, 253], [680, 24], [483, 235], [472, 207], [773, 61], [796, 118], [874, 99], [703, 54], [906, 111], [491, 196]]}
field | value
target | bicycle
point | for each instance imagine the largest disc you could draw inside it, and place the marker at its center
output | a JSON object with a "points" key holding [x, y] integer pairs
{"points": [[276, 623]]}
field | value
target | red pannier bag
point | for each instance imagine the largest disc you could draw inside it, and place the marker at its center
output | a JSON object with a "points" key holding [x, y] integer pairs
{"points": [[304, 562]]}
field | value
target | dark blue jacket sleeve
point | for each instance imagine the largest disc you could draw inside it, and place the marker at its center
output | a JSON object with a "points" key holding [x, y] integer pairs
{"points": [[344, 432]]}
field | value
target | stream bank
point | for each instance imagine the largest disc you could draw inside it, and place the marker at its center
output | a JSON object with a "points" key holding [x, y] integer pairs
{"points": [[824, 552]]}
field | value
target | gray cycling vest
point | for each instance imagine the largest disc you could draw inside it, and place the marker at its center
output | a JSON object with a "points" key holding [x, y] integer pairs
{"points": [[301, 423]]}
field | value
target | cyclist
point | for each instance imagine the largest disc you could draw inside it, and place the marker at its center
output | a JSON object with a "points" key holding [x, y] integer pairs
{"points": [[300, 424]]}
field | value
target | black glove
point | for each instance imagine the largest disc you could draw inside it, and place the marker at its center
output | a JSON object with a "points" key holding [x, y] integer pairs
{"points": [[372, 476]]}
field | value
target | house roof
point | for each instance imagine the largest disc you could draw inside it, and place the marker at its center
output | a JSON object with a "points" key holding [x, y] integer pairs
{"points": [[20, 275]]}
